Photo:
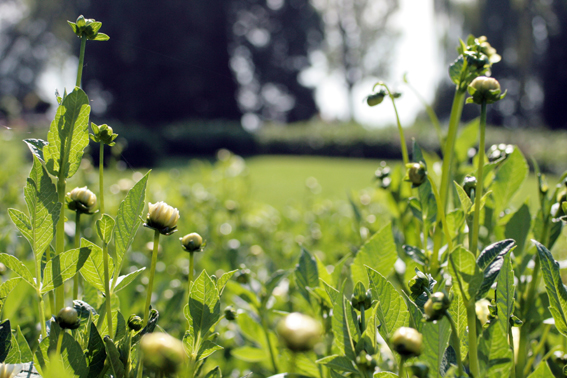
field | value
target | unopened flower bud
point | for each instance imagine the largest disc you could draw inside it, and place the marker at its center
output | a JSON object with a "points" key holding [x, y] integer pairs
{"points": [[81, 200], [135, 323], [2, 269], [230, 313], [418, 284], [407, 342], [436, 306], [162, 352], [68, 318], [299, 332], [88, 27], [192, 242], [485, 90], [482, 310], [376, 98], [416, 174], [469, 184], [162, 217], [103, 134]]}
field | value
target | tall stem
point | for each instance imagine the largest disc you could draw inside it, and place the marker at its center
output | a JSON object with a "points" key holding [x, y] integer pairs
{"points": [[60, 238], [456, 344], [107, 289], [152, 273], [272, 357], [479, 180], [77, 245], [473, 350], [403, 144], [81, 61], [40, 300], [401, 368], [101, 179], [449, 147], [191, 269]]}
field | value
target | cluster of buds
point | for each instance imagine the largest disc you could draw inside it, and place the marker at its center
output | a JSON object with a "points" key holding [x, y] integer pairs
{"points": [[103, 134], [485, 90], [436, 306], [162, 218], [407, 342], [499, 152], [299, 332], [420, 283], [88, 27], [416, 174], [162, 352], [475, 59], [81, 200]]}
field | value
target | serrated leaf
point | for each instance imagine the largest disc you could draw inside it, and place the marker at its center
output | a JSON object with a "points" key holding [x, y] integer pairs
{"points": [[342, 328], [250, 354], [215, 373], [435, 339], [554, 286], [63, 267], [17, 267], [508, 179], [339, 363], [128, 218], [126, 279], [385, 374], [221, 282], [518, 227], [455, 221], [455, 70], [36, 147], [5, 289], [392, 312], [96, 352], [305, 363], [22, 222], [68, 135], [118, 326], [20, 351], [490, 261], [505, 294], [114, 358], [104, 227], [93, 269], [204, 303], [465, 272], [416, 317], [207, 348], [250, 328], [458, 312], [495, 356], [306, 274], [542, 371], [379, 253]]}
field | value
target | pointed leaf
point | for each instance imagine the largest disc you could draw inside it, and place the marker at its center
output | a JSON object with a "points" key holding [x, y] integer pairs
{"points": [[104, 227], [339, 363], [5, 338], [17, 267], [379, 253], [458, 312], [22, 222], [250, 354], [505, 288], [20, 352], [306, 274], [221, 282], [204, 303], [63, 267], [435, 339], [126, 279], [93, 269], [518, 227], [5, 289], [508, 179], [493, 251], [114, 358], [36, 147], [207, 348], [542, 371], [465, 272], [495, 356]]}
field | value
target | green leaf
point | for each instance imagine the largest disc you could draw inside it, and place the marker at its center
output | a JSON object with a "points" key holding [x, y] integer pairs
{"points": [[5, 338], [128, 218], [379, 253], [518, 227], [306, 274], [221, 282], [554, 286], [508, 179], [466, 202], [251, 329], [435, 341], [490, 261], [250, 354], [272, 283], [118, 326], [385, 374], [104, 227], [417, 319], [466, 140], [416, 254], [204, 303], [93, 269], [495, 356], [455, 221], [22, 222], [505, 294], [343, 329], [96, 352], [114, 358], [20, 352], [458, 312], [101, 37], [392, 310], [68, 135], [17, 267], [465, 272], [215, 373], [63, 267], [542, 371], [340, 363], [207, 348], [305, 363], [36, 147], [125, 280], [246, 295], [455, 70], [5, 289]]}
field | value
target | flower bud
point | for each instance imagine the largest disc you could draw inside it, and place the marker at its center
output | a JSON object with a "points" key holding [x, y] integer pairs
{"points": [[376, 98], [482, 310], [230, 314], [103, 134], [88, 27], [3, 269], [407, 342], [135, 323], [162, 352], [242, 276], [68, 318], [416, 174], [469, 184], [10, 370], [81, 200], [162, 217], [299, 332], [192, 242], [436, 306], [485, 90], [418, 283]]}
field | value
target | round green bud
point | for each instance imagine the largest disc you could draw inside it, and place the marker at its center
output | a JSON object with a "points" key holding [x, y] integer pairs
{"points": [[230, 313], [436, 306], [68, 318], [135, 323], [192, 242], [416, 174], [485, 89], [3, 269], [162, 217], [103, 134], [375, 98], [407, 342], [469, 184], [299, 332], [162, 352], [81, 200]]}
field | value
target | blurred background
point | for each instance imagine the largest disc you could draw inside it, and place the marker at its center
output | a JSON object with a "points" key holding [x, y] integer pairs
{"points": [[275, 76]]}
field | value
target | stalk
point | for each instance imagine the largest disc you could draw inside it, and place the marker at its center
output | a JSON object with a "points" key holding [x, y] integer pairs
{"points": [[537, 349], [441, 213], [60, 237], [405, 155], [272, 357], [107, 288], [449, 147], [77, 245], [81, 61], [190, 279], [59, 343], [40, 300], [152, 273], [479, 180], [362, 320], [456, 344], [473, 350], [401, 368], [101, 178]]}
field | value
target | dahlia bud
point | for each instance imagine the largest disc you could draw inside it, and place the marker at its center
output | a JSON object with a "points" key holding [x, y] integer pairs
{"points": [[469, 184], [485, 89], [135, 323], [230, 314], [88, 27], [162, 217], [416, 174], [361, 297], [192, 242], [162, 352], [68, 318], [103, 134], [407, 342], [482, 309], [299, 332], [81, 200], [376, 98], [436, 306]]}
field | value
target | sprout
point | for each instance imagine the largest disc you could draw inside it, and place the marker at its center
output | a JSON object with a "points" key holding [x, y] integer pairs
{"points": [[485, 90]]}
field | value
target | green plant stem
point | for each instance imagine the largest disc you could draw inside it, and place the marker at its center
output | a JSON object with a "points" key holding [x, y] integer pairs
{"points": [[401, 368], [362, 319], [449, 147], [107, 293], [152, 273], [140, 365], [537, 349], [81, 61], [40, 299], [293, 364], [456, 344], [272, 357], [473, 350], [445, 226], [403, 144], [59, 343], [190, 275], [60, 238], [479, 180], [77, 245], [101, 179]]}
